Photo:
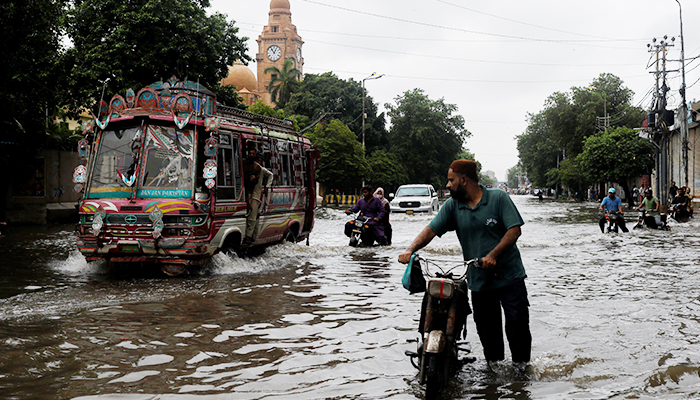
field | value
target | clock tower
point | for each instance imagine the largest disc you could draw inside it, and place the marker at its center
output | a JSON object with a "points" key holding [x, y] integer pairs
{"points": [[278, 42]]}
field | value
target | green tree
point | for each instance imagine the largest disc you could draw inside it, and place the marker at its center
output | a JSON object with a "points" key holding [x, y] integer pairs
{"points": [[514, 174], [137, 42], [30, 82], [327, 95], [385, 170], [263, 109], [617, 155], [284, 82], [342, 164], [425, 135], [558, 132]]}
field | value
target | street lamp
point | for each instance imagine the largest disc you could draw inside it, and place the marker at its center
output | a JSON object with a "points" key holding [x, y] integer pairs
{"points": [[364, 116], [605, 107]]}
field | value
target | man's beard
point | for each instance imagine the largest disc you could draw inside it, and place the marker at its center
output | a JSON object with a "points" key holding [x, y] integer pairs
{"points": [[459, 194]]}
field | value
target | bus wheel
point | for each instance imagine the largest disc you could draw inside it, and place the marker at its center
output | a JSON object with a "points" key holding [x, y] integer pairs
{"points": [[290, 237]]}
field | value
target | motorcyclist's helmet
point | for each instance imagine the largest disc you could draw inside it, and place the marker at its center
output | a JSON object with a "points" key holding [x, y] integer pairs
{"points": [[611, 190], [648, 191]]}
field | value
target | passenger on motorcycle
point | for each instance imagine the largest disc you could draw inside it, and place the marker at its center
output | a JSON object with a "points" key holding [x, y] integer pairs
{"points": [[612, 203], [371, 207], [682, 213], [651, 204], [388, 231]]}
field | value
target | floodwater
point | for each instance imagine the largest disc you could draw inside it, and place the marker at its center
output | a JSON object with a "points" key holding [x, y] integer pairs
{"points": [[613, 316]]}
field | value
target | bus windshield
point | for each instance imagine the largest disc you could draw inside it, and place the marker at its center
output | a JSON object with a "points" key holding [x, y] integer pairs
{"points": [[168, 163], [114, 154]]}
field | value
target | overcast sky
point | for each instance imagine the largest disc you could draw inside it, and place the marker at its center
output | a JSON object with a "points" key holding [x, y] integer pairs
{"points": [[496, 61]]}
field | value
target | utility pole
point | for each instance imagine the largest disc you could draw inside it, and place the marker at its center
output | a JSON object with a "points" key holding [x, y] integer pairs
{"points": [[683, 111], [657, 119]]}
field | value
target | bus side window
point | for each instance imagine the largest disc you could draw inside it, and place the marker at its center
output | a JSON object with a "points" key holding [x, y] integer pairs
{"points": [[225, 174]]}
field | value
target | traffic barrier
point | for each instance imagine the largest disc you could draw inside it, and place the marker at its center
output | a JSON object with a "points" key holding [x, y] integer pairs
{"points": [[341, 200]]}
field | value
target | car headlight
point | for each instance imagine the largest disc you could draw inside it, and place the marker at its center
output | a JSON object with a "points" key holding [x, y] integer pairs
{"points": [[425, 203]]}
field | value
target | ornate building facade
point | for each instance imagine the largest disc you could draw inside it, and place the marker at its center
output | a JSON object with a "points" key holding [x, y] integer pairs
{"points": [[278, 42]]}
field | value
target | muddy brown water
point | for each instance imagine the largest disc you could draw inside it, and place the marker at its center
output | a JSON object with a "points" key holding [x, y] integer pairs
{"points": [[613, 317]]}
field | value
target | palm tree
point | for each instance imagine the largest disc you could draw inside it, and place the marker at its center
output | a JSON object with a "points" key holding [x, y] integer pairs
{"points": [[283, 82]]}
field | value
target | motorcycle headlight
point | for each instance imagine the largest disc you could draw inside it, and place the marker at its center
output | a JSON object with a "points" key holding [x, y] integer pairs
{"points": [[441, 288]]}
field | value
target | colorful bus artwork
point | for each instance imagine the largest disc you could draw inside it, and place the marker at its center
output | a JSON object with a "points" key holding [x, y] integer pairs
{"points": [[161, 177]]}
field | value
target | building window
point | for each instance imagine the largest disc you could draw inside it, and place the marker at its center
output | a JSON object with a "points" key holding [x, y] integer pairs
{"points": [[274, 29]]}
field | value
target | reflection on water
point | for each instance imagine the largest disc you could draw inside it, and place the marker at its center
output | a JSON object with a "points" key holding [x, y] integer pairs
{"points": [[613, 317]]}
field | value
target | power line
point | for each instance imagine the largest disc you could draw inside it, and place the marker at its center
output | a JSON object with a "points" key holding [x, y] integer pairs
{"points": [[468, 30], [431, 56], [516, 21]]}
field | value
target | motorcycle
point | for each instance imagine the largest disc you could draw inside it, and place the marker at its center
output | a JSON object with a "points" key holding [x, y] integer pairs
{"points": [[612, 217], [437, 356], [678, 212], [660, 221], [360, 232]]}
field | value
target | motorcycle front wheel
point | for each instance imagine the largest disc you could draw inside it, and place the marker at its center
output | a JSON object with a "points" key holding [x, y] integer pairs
{"points": [[434, 378], [354, 239]]}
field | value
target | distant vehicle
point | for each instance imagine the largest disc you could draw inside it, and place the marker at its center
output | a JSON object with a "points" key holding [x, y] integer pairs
{"points": [[411, 199]]}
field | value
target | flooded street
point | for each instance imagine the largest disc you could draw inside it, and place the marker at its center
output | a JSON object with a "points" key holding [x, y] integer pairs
{"points": [[612, 316]]}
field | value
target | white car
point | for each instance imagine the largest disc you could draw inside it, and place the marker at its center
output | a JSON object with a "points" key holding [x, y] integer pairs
{"points": [[410, 199]]}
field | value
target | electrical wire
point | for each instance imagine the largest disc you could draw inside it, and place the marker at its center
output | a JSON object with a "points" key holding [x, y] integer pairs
{"points": [[468, 30]]}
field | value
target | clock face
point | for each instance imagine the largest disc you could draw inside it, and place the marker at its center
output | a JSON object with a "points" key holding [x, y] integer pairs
{"points": [[274, 53], [298, 55]]}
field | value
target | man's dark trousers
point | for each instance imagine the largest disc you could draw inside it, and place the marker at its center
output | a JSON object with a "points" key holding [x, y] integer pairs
{"points": [[487, 306]]}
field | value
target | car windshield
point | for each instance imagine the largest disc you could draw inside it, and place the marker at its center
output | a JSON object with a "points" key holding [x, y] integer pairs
{"points": [[412, 191], [114, 155]]}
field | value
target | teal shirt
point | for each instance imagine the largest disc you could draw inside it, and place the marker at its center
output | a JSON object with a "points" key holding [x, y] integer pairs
{"points": [[479, 230]]}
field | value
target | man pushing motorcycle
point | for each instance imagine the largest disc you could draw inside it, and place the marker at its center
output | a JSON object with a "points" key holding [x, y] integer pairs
{"points": [[487, 224]]}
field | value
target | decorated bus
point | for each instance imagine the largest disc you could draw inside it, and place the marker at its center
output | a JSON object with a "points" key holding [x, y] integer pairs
{"points": [[161, 177]]}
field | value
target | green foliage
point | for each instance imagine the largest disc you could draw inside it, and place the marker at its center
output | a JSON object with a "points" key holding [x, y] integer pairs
{"points": [[263, 109], [385, 169], [559, 131], [284, 82], [30, 74], [425, 135], [328, 95], [616, 155], [514, 174], [137, 42], [342, 164]]}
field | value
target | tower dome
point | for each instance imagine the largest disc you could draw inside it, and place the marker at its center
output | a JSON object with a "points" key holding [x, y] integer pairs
{"points": [[241, 76], [282, 5]]}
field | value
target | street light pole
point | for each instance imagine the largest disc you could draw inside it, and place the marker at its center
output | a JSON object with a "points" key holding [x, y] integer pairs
{"points": [[364, 116], [684, 109]]}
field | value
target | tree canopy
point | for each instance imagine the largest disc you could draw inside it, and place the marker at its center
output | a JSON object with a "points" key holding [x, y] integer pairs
{"points": [[426, 136], [342, 164], [136, 42], [616, 155], [326, 94], [556, 135]]}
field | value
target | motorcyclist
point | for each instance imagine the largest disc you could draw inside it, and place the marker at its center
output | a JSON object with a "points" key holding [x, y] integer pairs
{"points": [[651, 204], [612, 203], [388, 231], [683, 202], [372, 207]]}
